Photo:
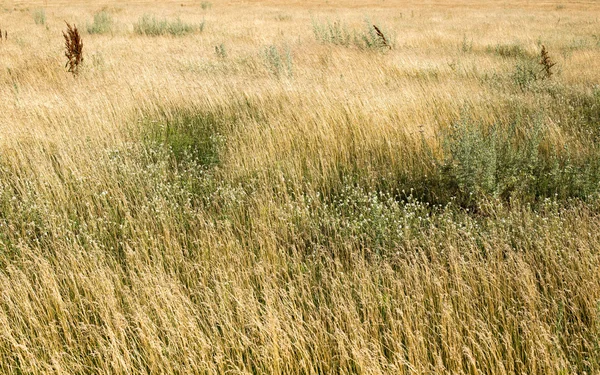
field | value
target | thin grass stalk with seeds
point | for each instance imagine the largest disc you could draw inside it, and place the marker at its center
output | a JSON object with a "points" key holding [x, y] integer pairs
{"points": [[74, 49]]}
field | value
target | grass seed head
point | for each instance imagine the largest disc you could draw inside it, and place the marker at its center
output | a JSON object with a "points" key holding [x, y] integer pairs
{"points": [[382, 37], [74, 48]]}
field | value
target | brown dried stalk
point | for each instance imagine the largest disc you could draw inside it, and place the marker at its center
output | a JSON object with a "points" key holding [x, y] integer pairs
{"points": [[382, 37], [546, 63], [74, 49]]}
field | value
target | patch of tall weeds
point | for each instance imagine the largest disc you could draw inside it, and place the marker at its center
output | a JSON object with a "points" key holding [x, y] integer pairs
{"points": [[103, 23], [528, 71], [371, 36], [513, 161], [189, 138], [279, 61], [152, 26]]}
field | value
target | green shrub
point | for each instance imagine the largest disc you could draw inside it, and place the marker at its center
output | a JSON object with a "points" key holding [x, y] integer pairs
{"points": [[373, 37], [472, 159], [279, 63], [526, 73], [206, 5], [150, 25], [512, 161], [103, 23], [335, 33]]}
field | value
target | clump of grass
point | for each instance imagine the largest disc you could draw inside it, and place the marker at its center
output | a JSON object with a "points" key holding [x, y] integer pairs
{"points": [[103, 23], [190, 138], [338, 33], [151, 26], [220, 51], [206, 5], [373, 38], [39, 16], [74, 49], [466, 45], [514, 50], [279, 63], [332, 32], [525, 74]]}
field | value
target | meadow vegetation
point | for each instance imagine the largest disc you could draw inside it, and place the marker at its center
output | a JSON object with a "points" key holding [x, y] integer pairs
{"points": [[103, 23], [150, 25], [301, 188]]}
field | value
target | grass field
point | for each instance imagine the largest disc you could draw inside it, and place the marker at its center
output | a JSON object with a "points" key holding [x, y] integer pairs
{"points": [[250, 187]]}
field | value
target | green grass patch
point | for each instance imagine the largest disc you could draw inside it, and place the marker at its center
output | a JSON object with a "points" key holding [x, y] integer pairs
{"points": [[339, 33], [103, 23], [152, 26], [279, 61], [507, 161], [39, 16], [188, 137], [471, 162]]}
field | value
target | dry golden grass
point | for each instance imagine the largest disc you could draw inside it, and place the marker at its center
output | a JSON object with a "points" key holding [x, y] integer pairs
{"points": [[288, 248]]}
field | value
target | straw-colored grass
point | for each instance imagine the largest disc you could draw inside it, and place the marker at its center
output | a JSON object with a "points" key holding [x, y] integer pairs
{"points": [[430, 208]]}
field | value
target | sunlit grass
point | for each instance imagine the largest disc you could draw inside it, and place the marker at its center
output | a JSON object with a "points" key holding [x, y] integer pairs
{"points": [[297, 205]]}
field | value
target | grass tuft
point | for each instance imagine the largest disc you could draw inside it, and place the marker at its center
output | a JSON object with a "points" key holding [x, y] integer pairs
{"points": [[103, 23], [39, 16], [338, 33], [189, 138], [151, 26], [279, 63]]}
